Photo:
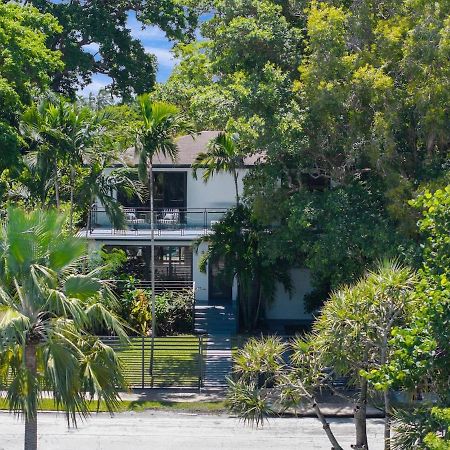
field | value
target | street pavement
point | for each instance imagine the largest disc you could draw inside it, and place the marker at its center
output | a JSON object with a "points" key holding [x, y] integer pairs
{"points": [[158, 430]]}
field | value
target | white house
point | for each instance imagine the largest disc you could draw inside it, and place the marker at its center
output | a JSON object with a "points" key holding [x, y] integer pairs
{"points": [[185, 209]]}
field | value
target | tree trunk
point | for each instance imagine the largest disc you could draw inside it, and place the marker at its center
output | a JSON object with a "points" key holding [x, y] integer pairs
{"points": [[152, 247], [30, 441], [152, 265], [387, 400], [359, 414], [88, 230], [325, 425], [236, 186], [57, 185], [258, 307], [72, 181]]}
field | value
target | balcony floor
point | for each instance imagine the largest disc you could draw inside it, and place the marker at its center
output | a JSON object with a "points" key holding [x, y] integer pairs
{"points": [[104, 233]]}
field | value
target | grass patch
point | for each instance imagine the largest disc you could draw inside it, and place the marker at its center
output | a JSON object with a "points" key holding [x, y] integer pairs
{"points": [[176, 361], [47, 404]]}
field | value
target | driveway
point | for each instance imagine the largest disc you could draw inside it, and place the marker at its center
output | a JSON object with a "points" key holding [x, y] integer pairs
{"points": [[178, 431]]}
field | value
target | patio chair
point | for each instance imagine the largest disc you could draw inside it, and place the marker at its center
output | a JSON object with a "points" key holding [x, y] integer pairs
{"points": [[131, 218], [169, 217]]}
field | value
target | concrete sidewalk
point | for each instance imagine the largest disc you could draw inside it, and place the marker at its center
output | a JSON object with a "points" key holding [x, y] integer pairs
{"points": [[331, 406]]}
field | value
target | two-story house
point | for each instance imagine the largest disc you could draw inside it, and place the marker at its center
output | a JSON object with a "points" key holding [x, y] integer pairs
{"points": [[185, 209]]}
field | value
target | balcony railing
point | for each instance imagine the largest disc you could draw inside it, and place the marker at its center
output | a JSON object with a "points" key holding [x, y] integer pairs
{"points": [[160, 285], [170, 220]]}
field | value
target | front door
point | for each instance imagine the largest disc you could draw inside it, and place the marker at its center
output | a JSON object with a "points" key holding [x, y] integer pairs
{"points": [[220, 286]]}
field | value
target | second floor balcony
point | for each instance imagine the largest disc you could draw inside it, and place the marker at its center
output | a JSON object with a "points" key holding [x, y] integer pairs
{"points": [[167, 222]]}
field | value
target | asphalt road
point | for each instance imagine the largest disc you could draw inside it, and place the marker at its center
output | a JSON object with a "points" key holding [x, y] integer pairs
{"points": [[178, 431]]}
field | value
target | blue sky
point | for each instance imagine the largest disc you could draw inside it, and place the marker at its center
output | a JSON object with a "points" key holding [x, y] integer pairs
{"points": [[154, 41]]}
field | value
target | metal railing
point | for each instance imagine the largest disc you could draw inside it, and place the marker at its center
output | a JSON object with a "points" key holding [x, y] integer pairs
{"points": [[137, 220], [160, 285]]}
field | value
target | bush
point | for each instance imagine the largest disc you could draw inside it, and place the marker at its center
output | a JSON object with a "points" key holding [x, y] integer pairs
{"points": [[174, 311]]}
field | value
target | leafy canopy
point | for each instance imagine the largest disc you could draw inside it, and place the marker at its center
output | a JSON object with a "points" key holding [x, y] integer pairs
{"points": [[26, 65], [102, 26]]}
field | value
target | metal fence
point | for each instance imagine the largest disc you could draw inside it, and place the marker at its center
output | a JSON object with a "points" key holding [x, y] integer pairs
{"points": [[178, 361]]}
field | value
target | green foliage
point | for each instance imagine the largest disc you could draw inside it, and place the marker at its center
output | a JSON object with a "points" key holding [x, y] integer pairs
{"points": [[174, 311], [239, 80], [224, 155], [271, 376], [48, 312], [241, 242], [422, 347], [341, 232], [354, 329], [422, 429], [26, 65], [140, 316], [355, 93], [69, 146], [159, 124], [107, 264], [119, 55], [245, 400], [259, 357]]}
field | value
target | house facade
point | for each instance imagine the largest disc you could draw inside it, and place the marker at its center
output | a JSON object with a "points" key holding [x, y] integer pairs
{"points": [[186, 208]]}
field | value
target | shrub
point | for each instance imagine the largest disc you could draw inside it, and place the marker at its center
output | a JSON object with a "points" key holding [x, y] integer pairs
{"points": [[174, 311]]}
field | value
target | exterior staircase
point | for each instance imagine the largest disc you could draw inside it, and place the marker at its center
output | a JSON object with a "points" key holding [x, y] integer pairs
{"points": [[218, 323]]}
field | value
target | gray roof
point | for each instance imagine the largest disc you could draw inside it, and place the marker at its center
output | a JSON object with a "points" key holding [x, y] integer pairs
{"points": [[188, 148]]}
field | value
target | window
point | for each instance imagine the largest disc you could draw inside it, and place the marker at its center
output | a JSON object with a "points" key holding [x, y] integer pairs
{"points": [[169, 192]]}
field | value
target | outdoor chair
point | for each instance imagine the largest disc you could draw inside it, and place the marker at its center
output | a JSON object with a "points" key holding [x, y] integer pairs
{"points": [[169, 217], [132, 219]]}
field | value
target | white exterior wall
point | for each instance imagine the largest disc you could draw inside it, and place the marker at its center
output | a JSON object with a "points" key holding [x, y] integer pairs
{"points": [[200, 278], [218, 192], [285, 307]]}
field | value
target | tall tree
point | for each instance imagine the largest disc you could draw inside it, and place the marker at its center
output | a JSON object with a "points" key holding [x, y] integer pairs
{"points": [[44, 125], [103, 25], [48, 314], [422, 346], [26, 65], [355, 328], [350, 105], [69, 141], [160, 124]]}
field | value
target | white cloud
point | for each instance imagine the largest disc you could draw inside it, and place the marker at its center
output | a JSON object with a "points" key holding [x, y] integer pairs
{"points": [[164, 55], [146, 33]]}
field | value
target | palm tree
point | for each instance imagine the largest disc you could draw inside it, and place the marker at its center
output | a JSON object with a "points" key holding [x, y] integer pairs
{"points": [[160, 124], [42, 126], [47, 313], [65, 133], [224, 155]]}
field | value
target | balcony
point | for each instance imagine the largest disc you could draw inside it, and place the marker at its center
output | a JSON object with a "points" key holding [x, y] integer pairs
{"points": [[168, 223]]}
